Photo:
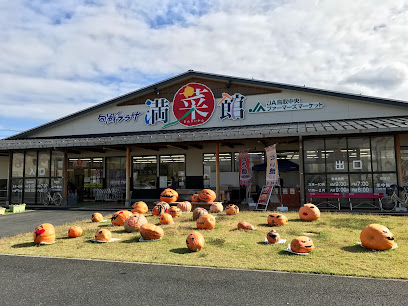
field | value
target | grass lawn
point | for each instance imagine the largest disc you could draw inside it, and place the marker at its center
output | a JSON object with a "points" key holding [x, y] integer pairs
{"points": [[335, 237]]}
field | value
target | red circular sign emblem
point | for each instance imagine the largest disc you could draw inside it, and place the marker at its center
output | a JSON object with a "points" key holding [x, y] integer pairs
{"points": [[193, 104]]}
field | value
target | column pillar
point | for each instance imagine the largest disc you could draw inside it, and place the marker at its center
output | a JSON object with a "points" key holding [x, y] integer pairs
{"points": [[217, 170], [301, 176], [127, 201]]}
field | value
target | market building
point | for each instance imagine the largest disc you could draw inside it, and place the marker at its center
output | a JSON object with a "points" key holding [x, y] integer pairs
{"points": [[191, 128]]}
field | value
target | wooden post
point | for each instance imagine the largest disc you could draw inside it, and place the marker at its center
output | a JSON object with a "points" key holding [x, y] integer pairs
{"points": [[399, 161], [301, 177], [127, 201], [217, 170], [65, 190]]}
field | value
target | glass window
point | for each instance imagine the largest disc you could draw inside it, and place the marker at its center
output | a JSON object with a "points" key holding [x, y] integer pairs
{"points": [[383, 181], [255, 158], [336, 155], [404, 164], [173, 166], [338, 182], [359, 154], [44, 164], [144, 172], [361, 183], [314, 157], [315, 183], [31, 164], [383, 154], [18, 162], [116, 172], [57, 184], [57, 164], [225, 162], [42, 187], [29, 191], [16, 191]]}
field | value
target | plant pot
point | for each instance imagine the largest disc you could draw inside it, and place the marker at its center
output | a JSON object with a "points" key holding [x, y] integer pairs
{"points": [[2, 211]]}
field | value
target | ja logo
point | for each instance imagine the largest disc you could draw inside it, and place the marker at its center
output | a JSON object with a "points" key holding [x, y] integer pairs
{"points": [[193, 104]]}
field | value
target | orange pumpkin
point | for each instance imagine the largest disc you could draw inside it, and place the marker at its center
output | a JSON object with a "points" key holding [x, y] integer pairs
{"points": [[119, 217], [44, 234], [184, 206], [97, 217], [195, 241], [175, 211], [232, 209], [166, 218], [151, 232], [273, 236], [245, 226], [198, 212], [302, 244], [377, 237], [74, 231], [309, 212], [216, 207], [206, 222], [160, 208], [207, 195], [277, 220], [195, 198], [140, 207], [103, 235], [169, 195], [134, 222]]}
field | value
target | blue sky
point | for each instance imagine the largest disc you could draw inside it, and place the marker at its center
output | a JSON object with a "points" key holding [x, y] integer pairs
{"points": [[58, 57]]}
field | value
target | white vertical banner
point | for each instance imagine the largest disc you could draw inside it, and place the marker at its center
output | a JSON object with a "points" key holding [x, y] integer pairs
{"points": [[272, 171]]}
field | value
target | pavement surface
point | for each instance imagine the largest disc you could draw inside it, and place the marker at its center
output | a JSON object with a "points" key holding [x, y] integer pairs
{"points": [[53, 281]]}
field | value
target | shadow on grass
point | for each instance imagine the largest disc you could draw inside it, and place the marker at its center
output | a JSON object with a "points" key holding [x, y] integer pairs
{"points": [[181, 251], [24, 245], [355, 249], [265, 225], [132, 240]]}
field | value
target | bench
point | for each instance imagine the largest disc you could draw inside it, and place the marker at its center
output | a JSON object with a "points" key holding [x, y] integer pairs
{"points": [[359, 198], [326, 195]]}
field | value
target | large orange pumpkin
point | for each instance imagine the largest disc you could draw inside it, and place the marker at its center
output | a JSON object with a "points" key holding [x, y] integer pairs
{"points": [[103, 235], [302, 244], [277, 219], [169, 195], [134, 222], [198, 212], [74, 231], [44, 234], [161, 207], [175, 211], [195, 241], [206, 222], [195, 198], [184, 206], [207, 195], [166, 218], [151, 232], [216, 207], [245, 226], [309, 212], [119, 217], [232, 209], [140, 207], [273, 236], [97, 217], [377, 237]]}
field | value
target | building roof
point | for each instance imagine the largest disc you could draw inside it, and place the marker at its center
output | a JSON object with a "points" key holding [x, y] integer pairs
{"points": [[227, 79], [275, 130]]}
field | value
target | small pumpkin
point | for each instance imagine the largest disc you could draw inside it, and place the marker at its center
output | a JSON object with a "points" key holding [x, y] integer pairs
{"points": [[139, 207], [160, 208], [309, 212], [134, 222], [377, 237], [175, 211], [44, 234], [119, 217], [195, 241], [206, 221], [198, 212], [103, 235], [151, 232], [195, 198], [277, 219], [302, 244], [273, 236], [166, 218], [169, 195], [232, 209], [216, 207], [74, 231], [97, 217], [207, 195], [245, 226], [184, 206]]}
